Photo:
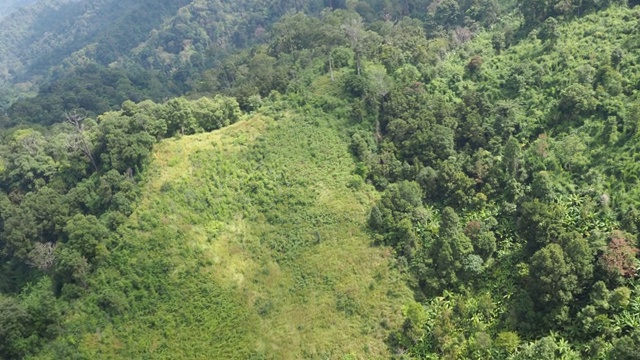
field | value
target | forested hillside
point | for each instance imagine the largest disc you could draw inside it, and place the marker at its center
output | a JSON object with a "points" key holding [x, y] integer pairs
{"points": [[56, 40], [363, 179], [132, 49], [9, 6]]}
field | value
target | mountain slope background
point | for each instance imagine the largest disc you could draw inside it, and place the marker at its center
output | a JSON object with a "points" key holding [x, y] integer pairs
{"points": [[10, 6], [45, 41], [371, 180], [153, 47]]}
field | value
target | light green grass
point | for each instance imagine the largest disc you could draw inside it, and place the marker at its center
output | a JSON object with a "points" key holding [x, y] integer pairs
{"points": [[248, 243]]}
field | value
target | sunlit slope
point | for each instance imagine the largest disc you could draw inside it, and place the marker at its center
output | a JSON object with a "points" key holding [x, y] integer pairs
{"points": [[251, 242]]}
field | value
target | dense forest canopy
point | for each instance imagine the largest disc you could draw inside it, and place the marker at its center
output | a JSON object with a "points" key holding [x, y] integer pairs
{"points": [[175, 169], [9, 6]]}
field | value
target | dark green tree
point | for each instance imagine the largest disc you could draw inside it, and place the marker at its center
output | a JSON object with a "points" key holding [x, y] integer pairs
{"points": [[87, 235], [122, 147], [553, 282], [178, 114], [626, 348], [14, 332], [450, 249]]}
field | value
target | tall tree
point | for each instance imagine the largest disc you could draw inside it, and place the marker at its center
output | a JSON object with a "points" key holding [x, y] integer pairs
{"points": [[552, 280], [450, 249], [79, 138], [355, 32]]}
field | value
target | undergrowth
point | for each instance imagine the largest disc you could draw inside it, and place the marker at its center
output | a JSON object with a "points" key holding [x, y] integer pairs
{"points": [[249, 242]]}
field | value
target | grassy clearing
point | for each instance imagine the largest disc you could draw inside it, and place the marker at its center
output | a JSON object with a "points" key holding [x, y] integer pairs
{"points": [[249, 242]]}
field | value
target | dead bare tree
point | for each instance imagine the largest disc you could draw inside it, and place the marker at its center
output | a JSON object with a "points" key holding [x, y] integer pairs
{"points": [[331, 67], [42, 256], [355, 32], [79, 140]]}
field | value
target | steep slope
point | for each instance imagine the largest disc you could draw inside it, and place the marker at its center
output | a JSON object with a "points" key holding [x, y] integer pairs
{"points": [[41, 37], [528, 156], [508, 175], [52, 37], [249, 241], [139, 50], [9, 6], [61, 39]]}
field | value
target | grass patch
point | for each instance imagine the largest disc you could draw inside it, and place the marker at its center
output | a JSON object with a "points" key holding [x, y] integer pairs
{"points": [[249, 242]]}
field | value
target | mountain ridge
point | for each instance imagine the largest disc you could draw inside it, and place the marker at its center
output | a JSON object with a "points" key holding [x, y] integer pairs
{"points": [[371, 180], [10, 6]]}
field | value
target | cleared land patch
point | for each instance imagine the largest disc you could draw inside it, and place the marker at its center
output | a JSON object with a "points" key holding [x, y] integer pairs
{"points": [[249, 242]]}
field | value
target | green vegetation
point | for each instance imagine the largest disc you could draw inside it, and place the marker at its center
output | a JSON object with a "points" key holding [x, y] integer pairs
{"points": [[65, 192], [92, 54], [361, 179], [9, 6], [534, 153], [263, 239]]}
